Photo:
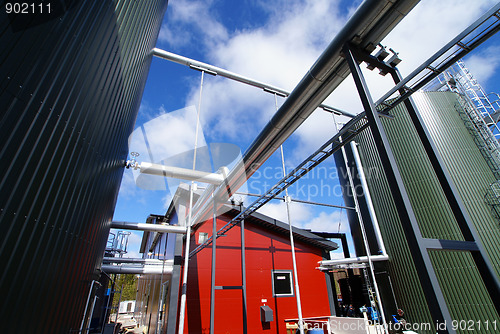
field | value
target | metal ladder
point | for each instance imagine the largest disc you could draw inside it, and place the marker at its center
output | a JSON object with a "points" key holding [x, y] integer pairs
{"points": [[484, 138], [492, 197]]}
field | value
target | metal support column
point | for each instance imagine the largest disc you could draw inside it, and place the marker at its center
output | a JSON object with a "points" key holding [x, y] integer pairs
{"points": [[175, 281], [214, 257], [462, 217], [243, 273], [427, 276]]}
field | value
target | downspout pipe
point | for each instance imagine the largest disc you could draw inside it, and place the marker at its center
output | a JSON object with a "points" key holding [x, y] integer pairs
{"points": [[368, 199], [373, 20]]}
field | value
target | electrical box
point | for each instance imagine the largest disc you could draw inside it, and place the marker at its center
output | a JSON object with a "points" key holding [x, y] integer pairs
{"points": [[266, 314]]}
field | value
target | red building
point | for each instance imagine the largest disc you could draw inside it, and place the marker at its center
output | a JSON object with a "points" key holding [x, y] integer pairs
{"points": [[269, 285]]}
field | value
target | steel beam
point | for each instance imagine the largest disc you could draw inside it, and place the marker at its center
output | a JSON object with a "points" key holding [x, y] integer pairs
{"points": [[427, 276]]}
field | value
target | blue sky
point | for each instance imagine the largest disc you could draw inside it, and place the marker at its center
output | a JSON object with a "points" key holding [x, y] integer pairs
{"points": [[277, 42]]}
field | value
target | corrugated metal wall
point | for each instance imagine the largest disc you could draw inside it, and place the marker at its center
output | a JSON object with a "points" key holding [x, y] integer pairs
{"points": [[70, 89], [455, 270]]}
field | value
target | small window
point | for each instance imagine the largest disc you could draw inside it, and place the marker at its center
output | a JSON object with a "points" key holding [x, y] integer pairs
{"points": [[202, 237], [282, 283]]}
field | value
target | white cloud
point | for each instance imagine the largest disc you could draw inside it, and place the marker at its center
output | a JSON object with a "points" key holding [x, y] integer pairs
{"points": [[335, 221], [278, 53], [482, 65], [277, 210], [201, 22], [430, 25], [134, 244], [304, 216]]}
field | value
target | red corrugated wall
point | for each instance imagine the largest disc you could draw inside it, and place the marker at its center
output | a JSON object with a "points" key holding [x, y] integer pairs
{"points": [[265, 251]]}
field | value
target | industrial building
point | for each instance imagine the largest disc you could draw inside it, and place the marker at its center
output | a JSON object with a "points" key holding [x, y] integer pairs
{"points": [[425, 224]]}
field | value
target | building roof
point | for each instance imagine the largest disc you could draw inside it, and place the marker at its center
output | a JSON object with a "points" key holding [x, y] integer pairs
{"points": [[283, 228]]}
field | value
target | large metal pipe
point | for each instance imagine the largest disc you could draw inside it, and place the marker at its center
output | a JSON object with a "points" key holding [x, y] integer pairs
{"points": [[138, 270], [148, 227], [373, 20]]}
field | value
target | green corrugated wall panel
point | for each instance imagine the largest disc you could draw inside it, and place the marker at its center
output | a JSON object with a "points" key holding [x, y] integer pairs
{"points": [[471, 176], [464, 292], [404, 276], [469, 170]]}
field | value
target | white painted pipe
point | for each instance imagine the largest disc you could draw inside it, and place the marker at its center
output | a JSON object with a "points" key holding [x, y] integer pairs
{"points": [[180, 173], [138, 270], [368, 198], [148, 227]]}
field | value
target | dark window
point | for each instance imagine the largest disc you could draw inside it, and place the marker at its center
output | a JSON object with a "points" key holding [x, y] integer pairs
{"points": [[282, 283]]}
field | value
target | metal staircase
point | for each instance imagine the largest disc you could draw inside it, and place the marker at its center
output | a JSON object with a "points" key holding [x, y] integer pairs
{"points": [[480, 131], [478, 98]]}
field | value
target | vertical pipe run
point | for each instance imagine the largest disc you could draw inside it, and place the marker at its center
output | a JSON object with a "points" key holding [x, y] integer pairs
{"points": [[214, 255], [365, 241], [84, 320], [190, 214], [366, 192], [243, 273]]}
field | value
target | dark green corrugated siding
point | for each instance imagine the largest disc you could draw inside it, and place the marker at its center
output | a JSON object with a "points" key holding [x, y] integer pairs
{"points": [[464, 292], [471, 175], [403, 273], [469, 171], [70, 90]]}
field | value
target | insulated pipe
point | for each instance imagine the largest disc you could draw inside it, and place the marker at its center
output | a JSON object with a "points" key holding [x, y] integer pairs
{"points": [[142, 270], [350, 260], [369, 203], [198, 65], [180, 173], [148, 227], [371, 22]]}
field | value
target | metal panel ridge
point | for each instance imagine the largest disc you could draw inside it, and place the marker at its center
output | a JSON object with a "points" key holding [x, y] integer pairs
{"points": [[371, 22]]}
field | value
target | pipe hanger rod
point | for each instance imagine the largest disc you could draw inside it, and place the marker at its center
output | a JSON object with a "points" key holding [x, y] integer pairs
{"points": [[214, 70]]}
